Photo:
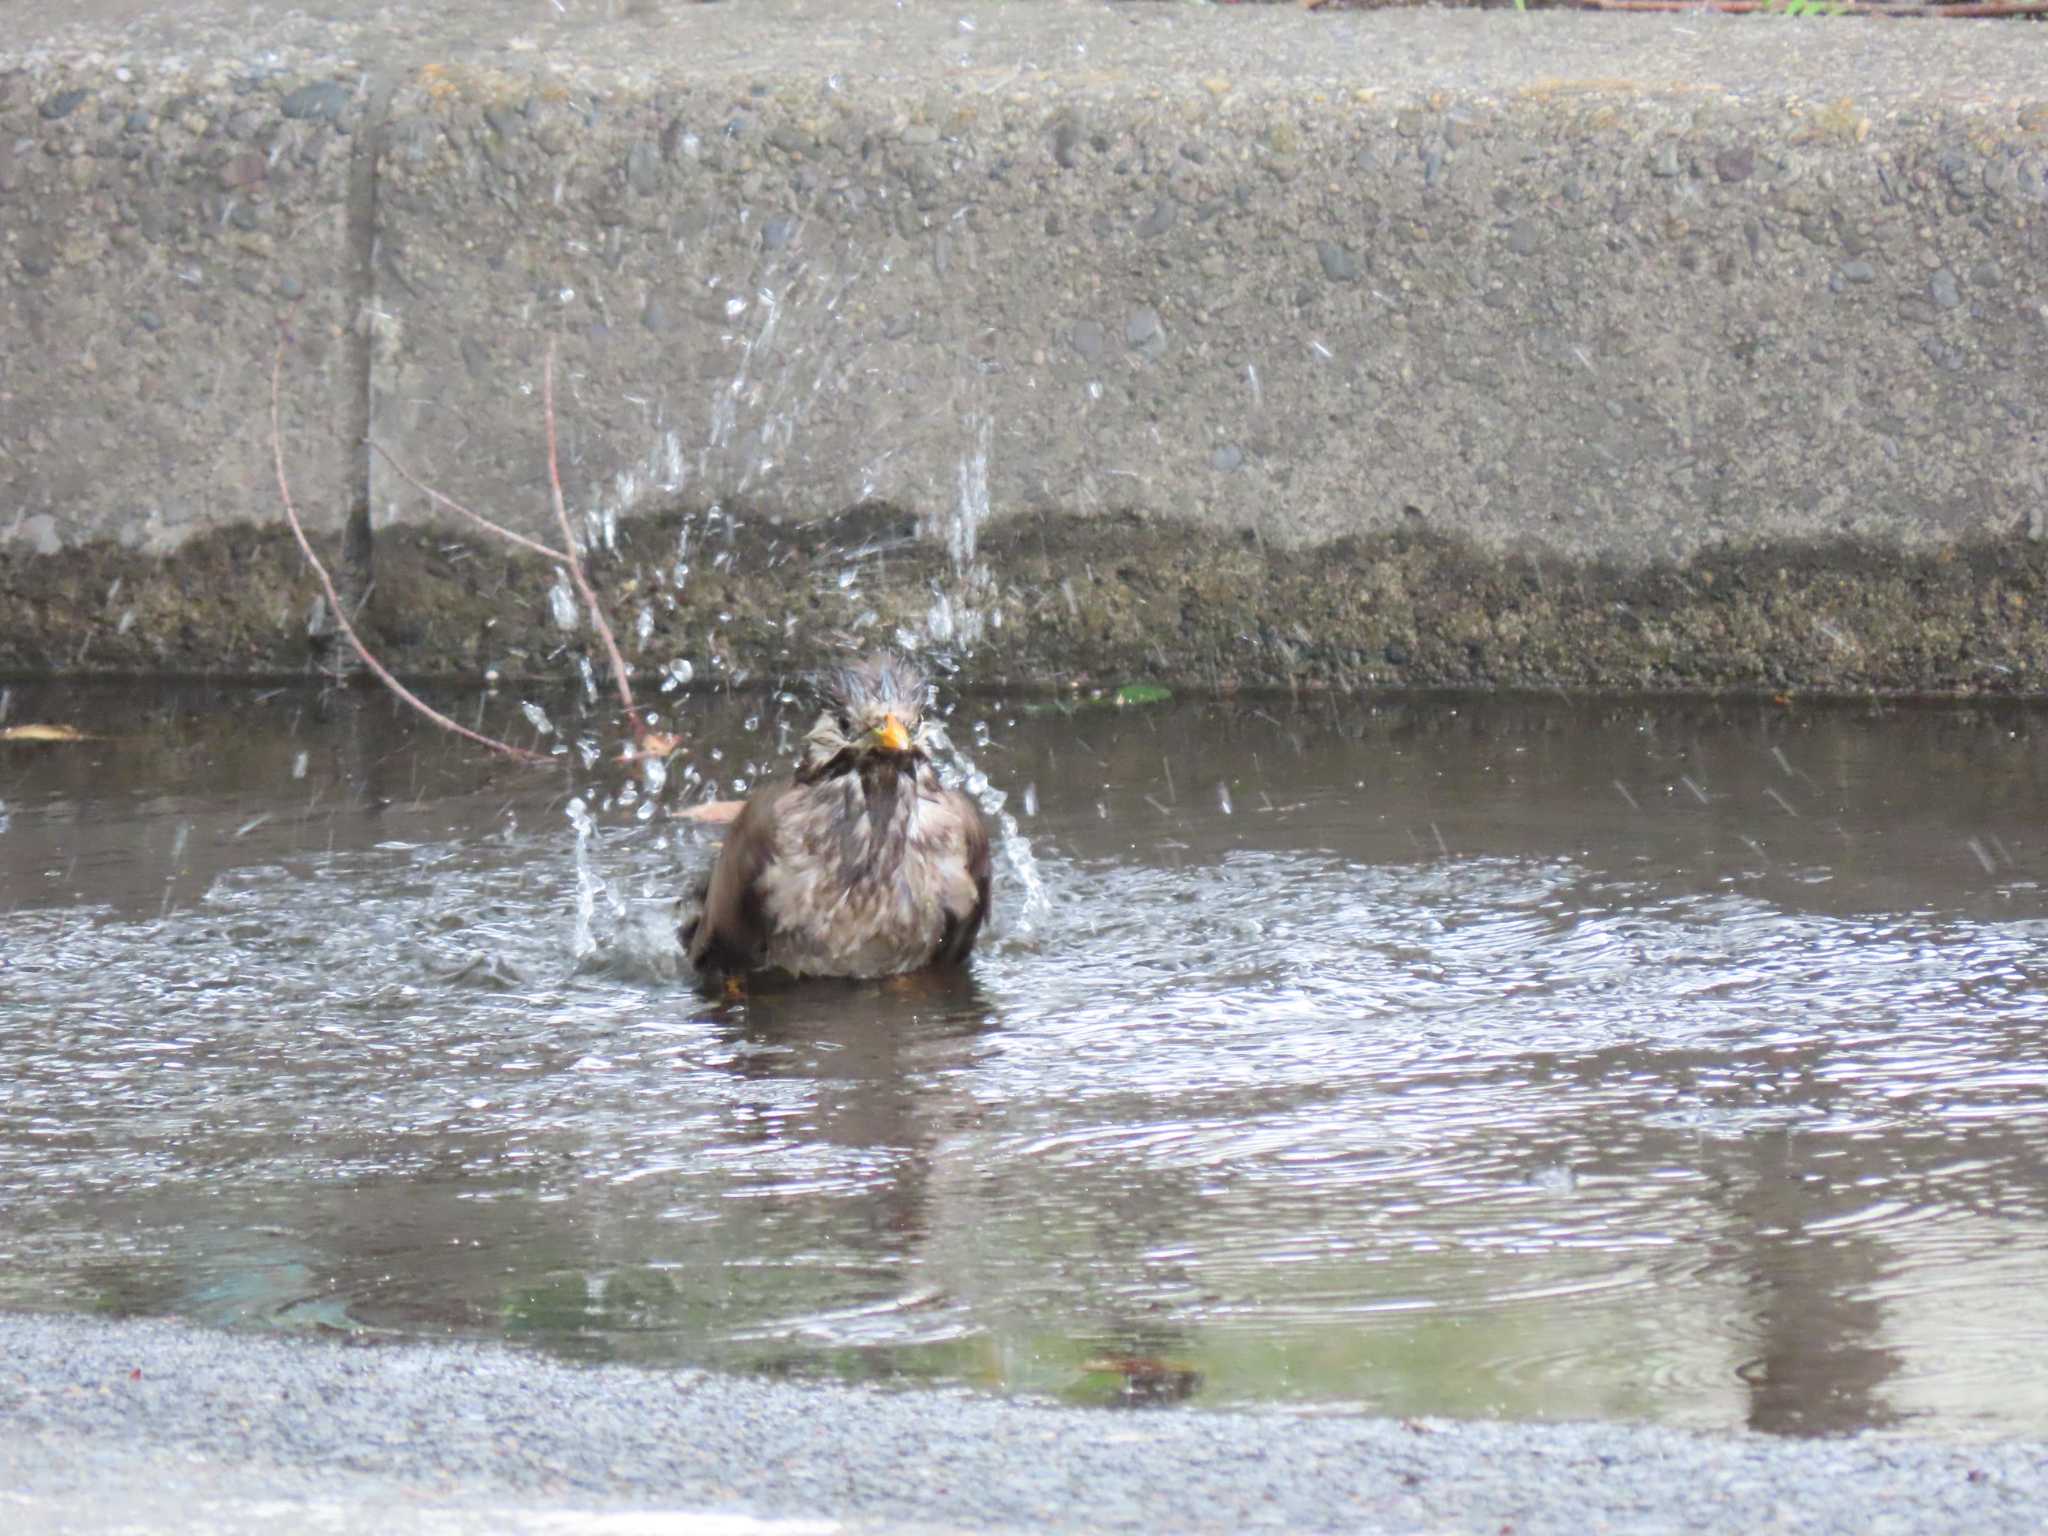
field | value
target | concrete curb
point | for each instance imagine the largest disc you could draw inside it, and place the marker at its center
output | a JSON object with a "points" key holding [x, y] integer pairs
{"points": [[1606, 292]]}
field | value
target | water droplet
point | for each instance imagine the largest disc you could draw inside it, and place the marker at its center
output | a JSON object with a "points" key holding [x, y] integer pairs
{"points": [[562, 602]]}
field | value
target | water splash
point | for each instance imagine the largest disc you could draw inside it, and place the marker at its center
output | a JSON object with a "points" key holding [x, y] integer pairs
{"points": [[956, 623], [1019, 861], [562, 606], [582, 937], [955, 620]]}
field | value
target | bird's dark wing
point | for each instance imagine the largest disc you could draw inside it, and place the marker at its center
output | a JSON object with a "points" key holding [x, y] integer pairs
{"points": [[962, 928], [730, 936]]}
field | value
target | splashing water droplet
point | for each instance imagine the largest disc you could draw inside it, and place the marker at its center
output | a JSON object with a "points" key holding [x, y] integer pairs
{"points": [[300, 763], [581, 939], [538, 717], [562, 602], [1223, 797], [1014, 846]]}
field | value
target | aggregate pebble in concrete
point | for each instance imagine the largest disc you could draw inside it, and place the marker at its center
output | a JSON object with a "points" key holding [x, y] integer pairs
{"points": [[106, 1424]]}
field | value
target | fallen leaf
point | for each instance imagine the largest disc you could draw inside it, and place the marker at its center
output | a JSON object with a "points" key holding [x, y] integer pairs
{"points": [[44, 733], [717, 812]]}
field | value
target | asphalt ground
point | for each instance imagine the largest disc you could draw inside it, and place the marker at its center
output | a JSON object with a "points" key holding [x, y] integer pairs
{"points": [[154, 1426]]}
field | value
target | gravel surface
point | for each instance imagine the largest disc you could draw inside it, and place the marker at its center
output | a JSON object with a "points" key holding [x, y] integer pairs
{"points": [[108, 1426]]}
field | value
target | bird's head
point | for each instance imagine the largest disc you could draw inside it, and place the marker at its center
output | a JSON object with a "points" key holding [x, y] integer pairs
{"points": [[873, 708]]}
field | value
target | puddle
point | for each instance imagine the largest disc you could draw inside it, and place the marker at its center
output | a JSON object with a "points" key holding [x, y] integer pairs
{"points": [[1500, 1058]]}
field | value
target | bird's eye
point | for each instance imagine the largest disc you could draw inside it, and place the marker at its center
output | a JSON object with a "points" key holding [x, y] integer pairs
{"points": [[845, 725]]}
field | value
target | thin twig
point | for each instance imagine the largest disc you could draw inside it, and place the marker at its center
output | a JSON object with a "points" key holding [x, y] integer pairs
{"points": [[334, 603], [604, 629], [453, 505]]}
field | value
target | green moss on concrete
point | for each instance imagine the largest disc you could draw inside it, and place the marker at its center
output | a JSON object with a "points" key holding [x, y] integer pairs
{"points": [[1078, 600]]}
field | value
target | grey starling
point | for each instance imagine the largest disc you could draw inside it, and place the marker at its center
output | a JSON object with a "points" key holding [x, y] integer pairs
{"points": [[862, 864]]}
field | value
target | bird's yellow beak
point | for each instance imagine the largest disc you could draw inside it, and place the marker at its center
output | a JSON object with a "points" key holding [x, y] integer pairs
{"points": [[890, 735]]}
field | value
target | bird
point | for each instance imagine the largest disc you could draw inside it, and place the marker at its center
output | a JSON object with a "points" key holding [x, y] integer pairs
{"points": [[862, 864]]}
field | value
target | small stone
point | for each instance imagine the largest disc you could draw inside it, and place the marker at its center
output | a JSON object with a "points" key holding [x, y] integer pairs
{"points": [[1522, 237], [35, 261], [1066, 144], [289, 287], [62, 104], [504, 121], [778, 232], [1945, 355], [1574, 190], [1858, 272], [1226, 458], [921, 134], [1942, 288], [320, 102], [245, 124], [243, 170], [553, 136], [1143, 328], [643, 168], [655, 315], [1158, 221], [1086, 338], [1665, 161], [1735, 164], [1339, 265], [136, 122]]}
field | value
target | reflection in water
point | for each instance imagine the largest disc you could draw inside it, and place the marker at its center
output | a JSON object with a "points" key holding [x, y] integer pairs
{"points": [[1507, 1058]]}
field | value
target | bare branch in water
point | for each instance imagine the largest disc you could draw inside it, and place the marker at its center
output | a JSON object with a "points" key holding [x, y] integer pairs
{"points": [[291, 512], [545, 550]]}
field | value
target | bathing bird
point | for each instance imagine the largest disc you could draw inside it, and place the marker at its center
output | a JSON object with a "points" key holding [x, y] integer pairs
{"points": [[864, 863]]}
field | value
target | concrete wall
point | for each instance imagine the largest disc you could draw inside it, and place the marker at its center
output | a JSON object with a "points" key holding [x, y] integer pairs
{"points": [[1598, 289]]}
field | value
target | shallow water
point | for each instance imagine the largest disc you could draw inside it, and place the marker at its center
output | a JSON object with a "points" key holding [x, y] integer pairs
{"points": [[1530, 1059]]}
